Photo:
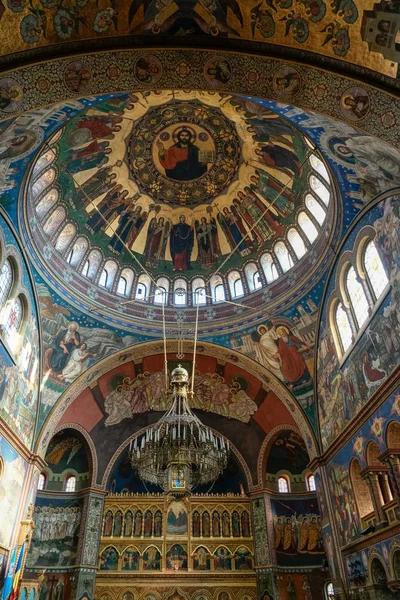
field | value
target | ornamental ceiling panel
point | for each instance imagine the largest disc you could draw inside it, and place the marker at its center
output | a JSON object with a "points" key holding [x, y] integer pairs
{"points": [[340, 29]]}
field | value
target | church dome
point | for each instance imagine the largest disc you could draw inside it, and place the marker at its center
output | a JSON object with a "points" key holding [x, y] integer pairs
{"points": [[179, 198]]}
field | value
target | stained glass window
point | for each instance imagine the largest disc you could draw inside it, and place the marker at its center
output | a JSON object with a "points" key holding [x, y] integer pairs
{"points": [[308, 226], [296, 242], [70, 484], [141, 291], [283, 485], [343, 327], [219, 293], [357, 296], [41, 482], [269, 267], [46, 202], [319, 166], [6, 280], [65, 237], [122, 285], [199, 296], [103, 278], [282, 254], [375, 270], [180, 286], [330, 593], [311, 483], [315, 208], [54, 221], [160, 295], [320, 189], [43, 182]]}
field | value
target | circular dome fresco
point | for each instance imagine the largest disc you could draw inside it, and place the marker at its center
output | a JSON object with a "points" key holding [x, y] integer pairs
{"points": [[178, 198]]}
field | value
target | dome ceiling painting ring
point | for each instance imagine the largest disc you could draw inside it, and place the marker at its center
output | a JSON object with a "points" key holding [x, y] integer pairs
{"points": [[152, 196], [184, 153]]}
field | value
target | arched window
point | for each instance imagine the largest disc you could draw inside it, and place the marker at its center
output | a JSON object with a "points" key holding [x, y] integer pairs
{"points": [[269, 268], [6, 281], [199, 297], [320, 189], [46, 203], [343, 327], [198, 286], [45, 160], [65, 237], [180, 292], [319, 166], [108, 274], [13, 322], [161, 291], [357, 297], [41, 481], [54, 221], [330, 594], [253, 277], [70, 484], [311, 483], [217, 289], [375, 270], [122, 286], [77, 253], [315, 208], [308, 226], [103, 278], [235, 284], [85, 269], [296, 242], [282, 254], [283, 485], [143, 287], [43, 182]]}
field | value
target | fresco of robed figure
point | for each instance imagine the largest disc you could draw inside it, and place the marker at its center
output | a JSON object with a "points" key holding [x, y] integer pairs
{"points": [[182, 160]]}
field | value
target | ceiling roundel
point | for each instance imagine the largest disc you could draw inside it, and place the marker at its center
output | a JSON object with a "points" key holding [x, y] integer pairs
{"points": [[177, 197]]}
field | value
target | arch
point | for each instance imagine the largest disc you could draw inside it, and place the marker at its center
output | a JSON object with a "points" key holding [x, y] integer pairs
{"points": [[161, 291], [42, 481], [360, 490], [43, 181], [310, 479], [143, 287], [125, 282], [374, 269], [377, 572], [308, 227], [269, 267], [54, 221], [198, 286], [70, 483], [341, 325], [65, 237], [180, 292], [297, 243], [217, 289], [77, 251], [252, 276], [320, 189], [235, 283], [152, 558], [315, 208], [393, 435], [130, 559], [265, 450], [318, 166], [372, 454], [46, 202], [148, 348], [45, 160], [358, 299], [283, 484], [92, 264], [395, 562], [283, 256], [108, 273], [109, 559], [90, 447]]}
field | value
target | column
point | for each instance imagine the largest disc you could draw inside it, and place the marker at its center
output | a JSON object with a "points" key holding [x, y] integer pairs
{"points": [[371, 477], [386, 491], [392, 462], [88, 547]]}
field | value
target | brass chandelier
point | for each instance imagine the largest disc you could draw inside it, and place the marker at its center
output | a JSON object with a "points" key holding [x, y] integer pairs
{"points": [[179, 452]]}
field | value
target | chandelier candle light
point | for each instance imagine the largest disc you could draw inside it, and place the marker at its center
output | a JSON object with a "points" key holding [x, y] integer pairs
{"points": [[179, 452]]}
